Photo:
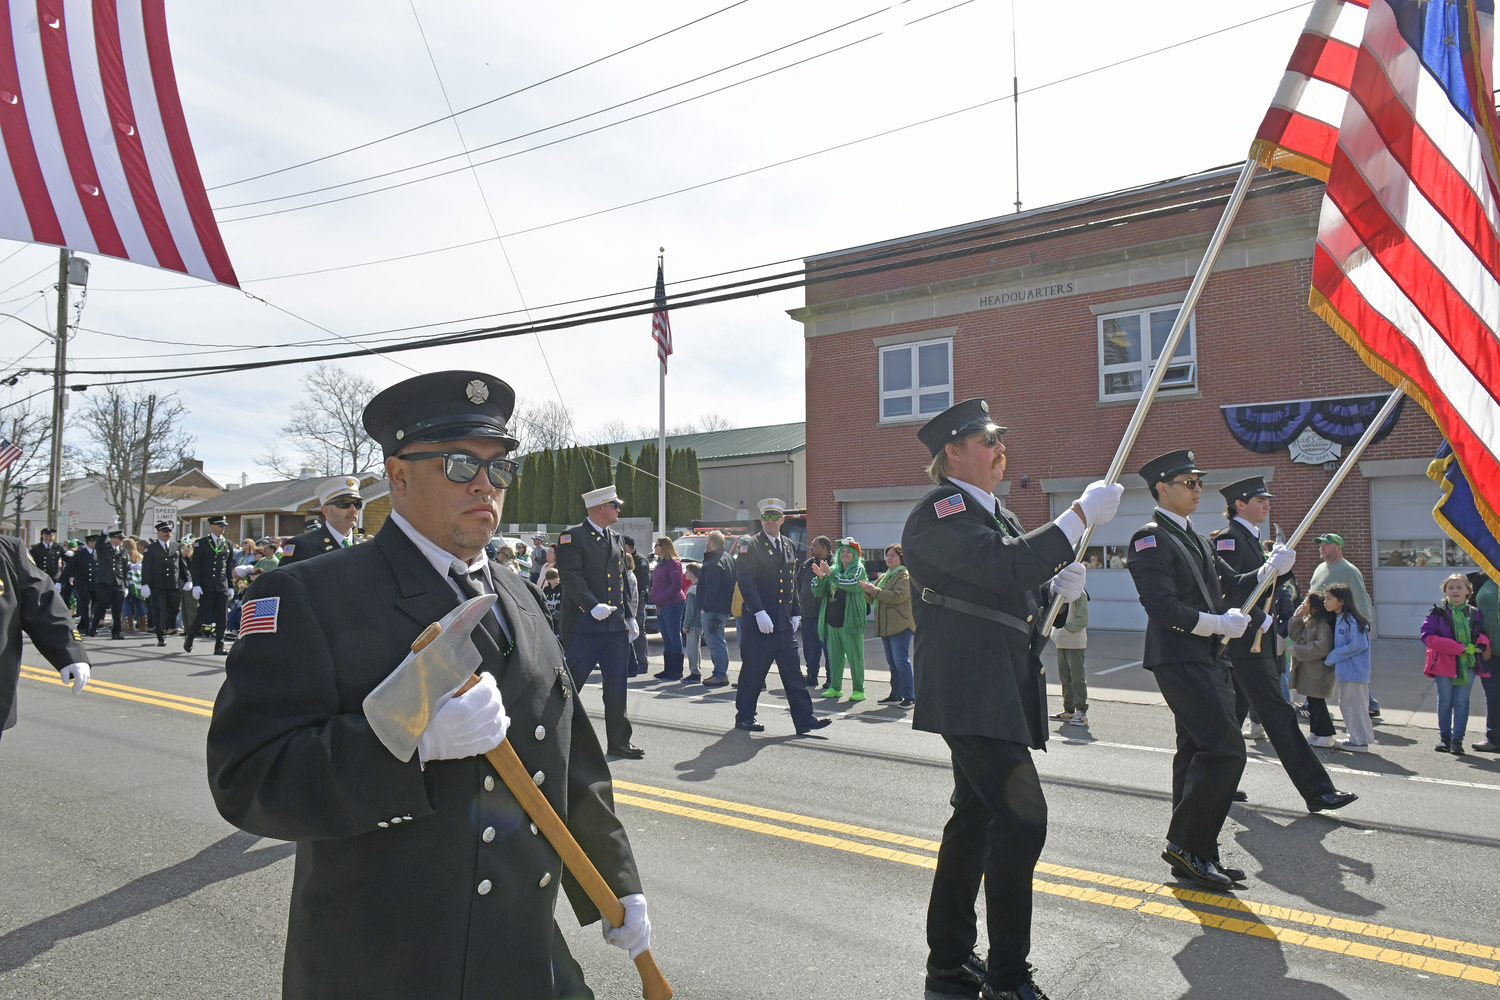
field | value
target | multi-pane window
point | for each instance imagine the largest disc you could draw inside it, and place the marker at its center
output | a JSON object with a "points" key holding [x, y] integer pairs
{"points": [[1124, 339], [1430, 552], [916, 380]]}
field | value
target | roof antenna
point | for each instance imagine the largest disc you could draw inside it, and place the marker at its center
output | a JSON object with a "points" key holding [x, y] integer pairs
{"points": [[1015, 99]]}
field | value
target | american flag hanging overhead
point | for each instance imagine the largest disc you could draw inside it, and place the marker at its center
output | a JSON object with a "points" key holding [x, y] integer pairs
{"points": [[1406, 267], [661, 326], [8, 453], [96, 154]]}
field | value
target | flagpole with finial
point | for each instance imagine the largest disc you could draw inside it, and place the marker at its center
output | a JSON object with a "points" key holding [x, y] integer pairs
{"points": [[661, 439]]}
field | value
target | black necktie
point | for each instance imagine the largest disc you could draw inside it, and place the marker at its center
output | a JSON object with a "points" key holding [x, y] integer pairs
{"points": [[469, 587]]}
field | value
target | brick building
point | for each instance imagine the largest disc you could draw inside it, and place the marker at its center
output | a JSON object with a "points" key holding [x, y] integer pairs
{"points": [[1047, 313]]}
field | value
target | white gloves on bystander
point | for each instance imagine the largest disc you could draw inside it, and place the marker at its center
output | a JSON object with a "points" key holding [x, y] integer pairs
{"points": [[763, 620], [1100, 502], [471, 724], [76, 674], [1070, 581], [602, 611], [634, 935]]}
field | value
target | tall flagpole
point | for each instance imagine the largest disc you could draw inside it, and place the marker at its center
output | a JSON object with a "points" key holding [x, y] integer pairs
{"points": [[661, 438]]}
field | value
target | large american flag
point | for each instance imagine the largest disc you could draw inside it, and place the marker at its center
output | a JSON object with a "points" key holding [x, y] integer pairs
{"points": [[8, 453], [661, 326], [96, 154], [1407, 262]]}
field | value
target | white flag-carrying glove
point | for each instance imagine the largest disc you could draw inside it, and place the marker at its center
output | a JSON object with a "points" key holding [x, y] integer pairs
{"points": [[1231, 623], [763, 621], [632, 629], [796, 622], [1070, 581], [76, 674], [602, 611], [471, 724], [1280, 560], [146, 590], [197, 593], [634, 935], [1100, 502]]}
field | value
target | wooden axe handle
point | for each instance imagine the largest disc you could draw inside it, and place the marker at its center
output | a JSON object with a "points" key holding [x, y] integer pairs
{"points": [[654, 985], [1255, 646]]}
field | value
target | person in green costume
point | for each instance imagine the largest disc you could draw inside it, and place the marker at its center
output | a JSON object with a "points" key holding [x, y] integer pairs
{"points": [[841, 623]]}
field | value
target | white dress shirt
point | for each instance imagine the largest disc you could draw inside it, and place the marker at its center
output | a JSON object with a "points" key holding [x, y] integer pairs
{"points": [[338, 537], [1071, 524], [446, 562]]}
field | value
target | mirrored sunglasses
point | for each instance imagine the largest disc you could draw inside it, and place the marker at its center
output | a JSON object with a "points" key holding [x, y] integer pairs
{"points": [[461, 468], [344, 503]]}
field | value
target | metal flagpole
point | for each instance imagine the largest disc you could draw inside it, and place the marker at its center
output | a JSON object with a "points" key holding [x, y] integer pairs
{"points": [[661, 443], [1159, 371], [1345, 465]]}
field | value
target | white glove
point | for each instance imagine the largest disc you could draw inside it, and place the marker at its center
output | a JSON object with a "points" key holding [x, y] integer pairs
{"points": [[243, 571], [57, 587], [1099, 502], [634, 935], [197, 593], [1266, 622], [602, 611], [796, 622], [471, 724], [764, 622], [1278, 561], [1069, 582], [146, 590], [76, 674], [1232, 623], [632, 629]]}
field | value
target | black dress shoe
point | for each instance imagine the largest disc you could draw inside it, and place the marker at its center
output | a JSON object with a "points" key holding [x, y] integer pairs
{"points": [[219, 649], [187, 643], [814, 724], [1331, 800], [1240, 796], [664, 676], [160, 641], [1026, 991], [629, 750], [965, 981], [1235, 874], [888, 699], [750, 727], [1204, 873]]}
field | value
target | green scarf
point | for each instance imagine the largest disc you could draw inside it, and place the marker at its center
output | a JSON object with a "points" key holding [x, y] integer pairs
{"points": [[852, 573], [888, 576], [1460, 615]]}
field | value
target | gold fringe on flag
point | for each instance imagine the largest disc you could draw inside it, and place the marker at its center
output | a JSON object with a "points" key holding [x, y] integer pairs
{"points": [[1269, 154]]}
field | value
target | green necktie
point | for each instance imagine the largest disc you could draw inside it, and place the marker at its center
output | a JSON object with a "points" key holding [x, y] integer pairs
{"points": [[346, 543]]}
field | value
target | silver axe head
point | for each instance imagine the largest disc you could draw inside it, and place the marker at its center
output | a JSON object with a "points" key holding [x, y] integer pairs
{"points": [[402, 705]]}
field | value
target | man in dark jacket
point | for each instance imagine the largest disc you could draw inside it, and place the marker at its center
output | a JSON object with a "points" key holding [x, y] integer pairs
{"points": [[975, 597], [340, 503], [82, 571], [418, 878], [49, 556], [159, 581], [212, 567], [819, 550], [30, 603], [643, 596], [716, 601], [111, 583]]}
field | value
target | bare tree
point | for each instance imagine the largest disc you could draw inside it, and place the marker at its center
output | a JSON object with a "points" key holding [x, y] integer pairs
{"points": [[328, 426], [617, 430], [714, 422], [28, 428], [543, 424], [130, 431]]}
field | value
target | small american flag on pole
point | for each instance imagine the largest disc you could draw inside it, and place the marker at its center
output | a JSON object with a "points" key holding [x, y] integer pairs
{"points": [[8, 453], [661, 326], [259, 616]]}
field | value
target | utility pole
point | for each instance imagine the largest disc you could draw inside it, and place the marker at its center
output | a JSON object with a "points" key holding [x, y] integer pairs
{"points": [[60, 361], [1015, 99]]}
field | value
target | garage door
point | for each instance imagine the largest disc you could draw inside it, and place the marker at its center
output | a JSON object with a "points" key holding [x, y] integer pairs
{"points": [[1412, 555], [874, 524]]}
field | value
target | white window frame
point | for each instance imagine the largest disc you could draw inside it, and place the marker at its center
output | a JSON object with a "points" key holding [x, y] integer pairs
{"points": [[916, 390], [257, 535], [1144, 366]]}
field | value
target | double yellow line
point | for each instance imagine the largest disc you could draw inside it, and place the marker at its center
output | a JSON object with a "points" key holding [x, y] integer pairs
{"points": [[197, 706], [1242, 916]]}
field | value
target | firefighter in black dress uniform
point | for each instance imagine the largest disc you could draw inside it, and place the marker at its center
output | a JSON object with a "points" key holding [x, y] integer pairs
{"points": [[159, 581], [30, 603], [83, 570], [979, 582], [49, 556], [212, 567], [340, 503], [111, 583]]}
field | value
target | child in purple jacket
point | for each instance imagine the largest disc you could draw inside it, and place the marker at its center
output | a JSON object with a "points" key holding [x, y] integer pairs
{"points": [[1456, 650]]}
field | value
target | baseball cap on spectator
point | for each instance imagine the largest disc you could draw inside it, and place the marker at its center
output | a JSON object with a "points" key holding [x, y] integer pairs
{"points": [[1331, 539]]}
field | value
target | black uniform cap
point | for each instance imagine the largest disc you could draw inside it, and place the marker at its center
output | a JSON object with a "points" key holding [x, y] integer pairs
{"points": [[218, 519], [49, 531], [164, 526], [312, 524], [972, 416], [117, 534], [1164, 467], [93, 538], [1255, 486], [441, 406]]}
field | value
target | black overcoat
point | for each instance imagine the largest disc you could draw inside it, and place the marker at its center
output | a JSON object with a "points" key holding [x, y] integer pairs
{"points": [[28, 602], [159, 566], [212, 565], [114, 567], [83, 567], [1240, 551], [591, 566], [49, 559], [767, 576], [1170, 593], [977, 677], [390, 856], [307, 545]]}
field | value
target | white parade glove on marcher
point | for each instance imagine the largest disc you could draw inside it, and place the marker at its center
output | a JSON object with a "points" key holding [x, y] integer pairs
{"points": [[632, 629], [1070, 581], [76, 674], [197, 593], [1100, 502], [471, 724], [602, 611], [57, 587], [1231, 623], [634, 935], [1266, 622], [1278, 561], [146, 590], [763, 620], [796, 622]]}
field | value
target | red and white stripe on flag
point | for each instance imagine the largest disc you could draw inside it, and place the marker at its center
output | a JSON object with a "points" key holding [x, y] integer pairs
{"points": [[1301, 128], [96, 155], [1407, 262], [661, 326], [8, 453]]}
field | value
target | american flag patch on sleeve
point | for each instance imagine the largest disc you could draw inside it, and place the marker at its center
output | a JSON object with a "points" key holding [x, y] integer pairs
{"points": [[564, 539], [1225, 545], [260, 616], [1145, 542], [949, 505]]}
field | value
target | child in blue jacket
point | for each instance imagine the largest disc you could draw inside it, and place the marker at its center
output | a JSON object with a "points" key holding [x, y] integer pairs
{"points": [[1350, 661]]}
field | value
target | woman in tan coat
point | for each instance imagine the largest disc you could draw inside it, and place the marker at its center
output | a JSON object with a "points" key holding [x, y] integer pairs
{"points": [[894, 625], [1310, 639]]}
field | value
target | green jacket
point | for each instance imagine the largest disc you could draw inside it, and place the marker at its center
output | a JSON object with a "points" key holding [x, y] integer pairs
{"points": [[855, 605]]}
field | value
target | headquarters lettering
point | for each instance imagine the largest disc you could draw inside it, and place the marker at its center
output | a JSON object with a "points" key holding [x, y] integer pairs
{"points": [[1020, 296]]}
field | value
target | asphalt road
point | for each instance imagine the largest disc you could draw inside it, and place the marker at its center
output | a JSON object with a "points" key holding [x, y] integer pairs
{"points": [[775, 865]]}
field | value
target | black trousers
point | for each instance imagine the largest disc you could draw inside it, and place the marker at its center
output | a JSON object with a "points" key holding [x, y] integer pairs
{"points": [[165, 603], [757, 652], [996, 832], [1210, 752], [112, 599], [1259, 679], [610, 652], [84, 613], [1318, 719], [214, 603]]}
